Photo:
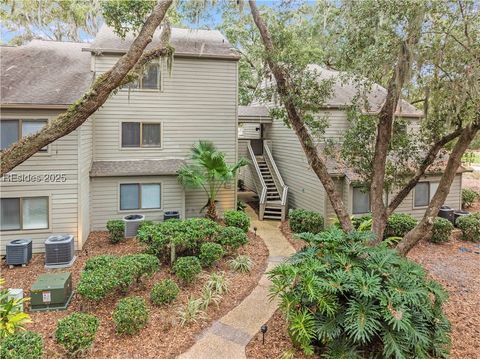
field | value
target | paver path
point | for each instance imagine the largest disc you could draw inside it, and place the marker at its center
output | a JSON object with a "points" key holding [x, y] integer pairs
{"points": [[227, 337]]}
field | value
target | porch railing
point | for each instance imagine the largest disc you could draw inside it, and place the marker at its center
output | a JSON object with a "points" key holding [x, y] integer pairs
{"points": [[260, 185], [282, 188]]}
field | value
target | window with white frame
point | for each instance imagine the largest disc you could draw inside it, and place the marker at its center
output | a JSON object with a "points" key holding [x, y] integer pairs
{"points": [[24, 213], [423, 193], [151, 79], [13, 130], [141, 134], [360, 201], [140, 196]]}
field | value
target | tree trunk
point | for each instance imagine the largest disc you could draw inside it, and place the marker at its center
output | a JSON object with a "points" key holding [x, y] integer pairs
{"points": [[424, 227], [211, 209], [95, 97], [297, 123]]}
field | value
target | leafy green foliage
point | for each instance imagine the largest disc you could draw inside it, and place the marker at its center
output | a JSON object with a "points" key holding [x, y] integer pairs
{"points": [[345, 298], [469, 196], [210, 253], [442, 229], [301, 220], [116, 229], [186, 235], [399, 224], [12, 318], [22, 345], [231, 238], [237, 219], [164, 292], [104, 275], [209, 171], [187, 268], [241, 263], [76, 332], [218, 283], [470, 226], [130, 315], [241, 206], [126, 15], [192, 312]]}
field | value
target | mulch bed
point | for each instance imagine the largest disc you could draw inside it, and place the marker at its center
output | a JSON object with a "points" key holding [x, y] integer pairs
{"points": [[456, 265], [287, 233], [163, 337]]}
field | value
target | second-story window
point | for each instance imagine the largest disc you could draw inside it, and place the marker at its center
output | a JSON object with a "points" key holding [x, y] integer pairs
{"points": [[150, 79], [13, 130], [141, 134]]}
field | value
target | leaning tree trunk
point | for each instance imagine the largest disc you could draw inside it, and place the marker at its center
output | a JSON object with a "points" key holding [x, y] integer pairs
{"points": [[95, 97], [423, 229], [298, 125]]}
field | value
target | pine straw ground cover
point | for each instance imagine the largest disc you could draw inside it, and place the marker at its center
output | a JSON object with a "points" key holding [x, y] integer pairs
{"points": [[163, 337], [455, 264]]}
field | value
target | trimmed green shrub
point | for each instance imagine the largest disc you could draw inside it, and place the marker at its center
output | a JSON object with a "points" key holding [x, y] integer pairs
{"points": [[237, 219], [103, 275], [210, 253], [470, 226], [442, 229], [231, 238], [344, 298], [130, 315], [116, 229], [76, 332], [186, 235], [399, 224], [301, 220], [22, 345], [469, 196], [187, 268], [164, 292]]}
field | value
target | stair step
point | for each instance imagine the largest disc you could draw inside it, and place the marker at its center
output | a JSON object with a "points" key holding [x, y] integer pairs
{"points": [[272, 217]]}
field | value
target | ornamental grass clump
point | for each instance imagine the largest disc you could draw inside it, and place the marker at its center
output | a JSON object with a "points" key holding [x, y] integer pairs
{"points": [[187, 268], [22, 345], [241, 263], [116, 230], [130, 315], [470, 226], [237, 219], [442, 229], [301, 220], [164, 292], [76, 332], [344, 298]]}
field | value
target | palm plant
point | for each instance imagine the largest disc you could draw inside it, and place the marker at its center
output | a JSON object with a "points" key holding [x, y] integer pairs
{"points": [[208, 171]]}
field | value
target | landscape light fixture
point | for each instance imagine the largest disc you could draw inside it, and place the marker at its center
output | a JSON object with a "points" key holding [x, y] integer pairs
{"points": [[263, 329], [255, 230]]}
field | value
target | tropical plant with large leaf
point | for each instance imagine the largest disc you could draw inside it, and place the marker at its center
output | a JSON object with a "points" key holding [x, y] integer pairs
{"points": [[12, 318], [208, 171]]}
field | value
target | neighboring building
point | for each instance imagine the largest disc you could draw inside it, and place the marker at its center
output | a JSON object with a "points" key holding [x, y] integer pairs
{"points": [[124, 158]]}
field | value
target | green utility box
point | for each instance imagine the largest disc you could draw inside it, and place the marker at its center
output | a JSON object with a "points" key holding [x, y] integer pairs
{"points": [[51, 291]]}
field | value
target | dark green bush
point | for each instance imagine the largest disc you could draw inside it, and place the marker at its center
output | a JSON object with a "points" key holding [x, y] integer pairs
{"points": [[22, 345], [130, 315], [469, 196], [344, 298], [470, 226], [399, 224], [164, 292], [116, 229], [361, 220], [210, 253], [442, 229], [103, 275], [187, 236], [231, 238], [76, 332], [301, 221], [237, 219], [187, 268], [241, 206]]}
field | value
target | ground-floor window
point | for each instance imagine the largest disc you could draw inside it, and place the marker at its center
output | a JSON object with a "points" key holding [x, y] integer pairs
{"points": [[140, 196], [423, 193], [360, 201], [24, 213]]}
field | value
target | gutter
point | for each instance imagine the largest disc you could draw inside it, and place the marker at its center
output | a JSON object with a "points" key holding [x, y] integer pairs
{"points": [[34, 106]]}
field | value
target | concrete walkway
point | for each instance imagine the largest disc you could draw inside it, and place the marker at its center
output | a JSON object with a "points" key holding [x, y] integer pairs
{"points": [[228, 336]]}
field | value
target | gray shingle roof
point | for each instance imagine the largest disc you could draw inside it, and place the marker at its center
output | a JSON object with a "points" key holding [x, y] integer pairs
{"points": [[44, 73], [201, 43], [253, 112], [136, 168]]}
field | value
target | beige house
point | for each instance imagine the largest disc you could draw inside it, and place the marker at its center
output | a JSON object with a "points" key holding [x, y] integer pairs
{"points": [[124, 159]]}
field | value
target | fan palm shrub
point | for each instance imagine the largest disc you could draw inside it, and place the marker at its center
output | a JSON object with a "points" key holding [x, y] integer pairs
{"points": [[209, 171], [344, 298]]}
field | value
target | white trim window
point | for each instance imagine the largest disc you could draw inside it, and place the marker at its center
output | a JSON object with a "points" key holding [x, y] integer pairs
{"points": [[24, 213], [141, 134], [140, 196], [360, 201], [12, 130], [423, 193]]}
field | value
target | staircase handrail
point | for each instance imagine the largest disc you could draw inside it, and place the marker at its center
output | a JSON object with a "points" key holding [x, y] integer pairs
{"points": [[277, 177], [253, 161]]}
